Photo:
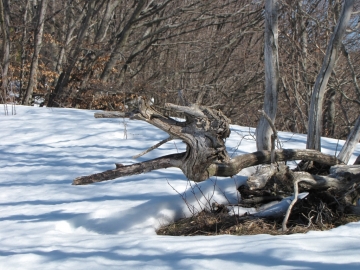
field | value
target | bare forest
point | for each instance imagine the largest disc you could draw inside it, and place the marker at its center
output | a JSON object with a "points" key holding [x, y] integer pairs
{"points": [[102, 54]]}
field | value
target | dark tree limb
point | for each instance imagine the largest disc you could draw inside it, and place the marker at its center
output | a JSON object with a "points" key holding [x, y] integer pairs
{"points": [[138, 168]]}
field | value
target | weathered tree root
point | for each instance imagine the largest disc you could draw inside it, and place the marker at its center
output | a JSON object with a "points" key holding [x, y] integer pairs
{"points": [[230, 168], [204, 133]]}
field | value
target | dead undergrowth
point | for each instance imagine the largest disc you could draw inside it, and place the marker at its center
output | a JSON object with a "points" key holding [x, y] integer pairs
{"points": [[321, 209], [318, 211], [314, 213]]}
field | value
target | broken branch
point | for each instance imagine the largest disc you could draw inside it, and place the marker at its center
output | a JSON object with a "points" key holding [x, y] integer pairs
{"points": [[153, 147]]}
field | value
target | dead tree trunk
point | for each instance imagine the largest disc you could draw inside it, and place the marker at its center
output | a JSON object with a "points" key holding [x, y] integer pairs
{"points": [[204, 132], [317, 97], [263, 130]]}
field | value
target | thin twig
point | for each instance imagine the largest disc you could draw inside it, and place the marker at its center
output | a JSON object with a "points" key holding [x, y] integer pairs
{"points": [[193, 192], [153, 147], [192, 211]]}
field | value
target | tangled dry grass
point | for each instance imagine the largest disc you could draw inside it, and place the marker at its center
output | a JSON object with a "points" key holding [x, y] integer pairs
{"points": [[315, 213]]}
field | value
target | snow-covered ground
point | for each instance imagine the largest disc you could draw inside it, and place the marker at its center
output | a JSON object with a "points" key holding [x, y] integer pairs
{"points": [[46, 223]]}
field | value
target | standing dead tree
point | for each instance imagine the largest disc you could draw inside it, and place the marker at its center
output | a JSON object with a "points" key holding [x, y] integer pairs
{"points": [[263, 130], [317, 97]]}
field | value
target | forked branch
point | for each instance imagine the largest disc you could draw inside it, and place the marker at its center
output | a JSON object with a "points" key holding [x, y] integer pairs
{"points": [[230, 168], [204, 133]]}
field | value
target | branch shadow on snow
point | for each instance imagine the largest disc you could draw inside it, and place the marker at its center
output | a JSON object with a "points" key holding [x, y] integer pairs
{"points": [[190, 258], [155, 210]]}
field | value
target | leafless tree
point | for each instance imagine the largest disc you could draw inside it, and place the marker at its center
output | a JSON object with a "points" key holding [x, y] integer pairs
{"points": [[213, 50], [5, 28], [38, 39], [317, 97], [264, 130]]}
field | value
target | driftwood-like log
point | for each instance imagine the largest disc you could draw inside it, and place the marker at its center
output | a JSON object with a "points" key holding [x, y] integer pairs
{"points": [[138, 168], [343, 181], [264, 157], [260, 178], [342, 178], [342, 185], [230, 168], [204, 133], [346, 172]]}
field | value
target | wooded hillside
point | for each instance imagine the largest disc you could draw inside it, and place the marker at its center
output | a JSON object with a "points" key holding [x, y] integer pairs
{"points": [[101, 54]]}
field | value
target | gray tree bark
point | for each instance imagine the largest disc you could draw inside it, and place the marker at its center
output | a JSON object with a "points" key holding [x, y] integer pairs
{"points": [[351, 143], [121, 40], [204, 132], [104, 25], [263, 130], [23, 49], [35, 58], [64, 77], [329, 123], [317, 97], [5, 21]]}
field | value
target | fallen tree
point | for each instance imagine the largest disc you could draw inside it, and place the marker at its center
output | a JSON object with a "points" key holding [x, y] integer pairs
{"points": [[204, 133]]}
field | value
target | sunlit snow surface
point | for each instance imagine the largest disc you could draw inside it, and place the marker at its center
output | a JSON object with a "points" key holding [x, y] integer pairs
{"points": [[46, 223]]}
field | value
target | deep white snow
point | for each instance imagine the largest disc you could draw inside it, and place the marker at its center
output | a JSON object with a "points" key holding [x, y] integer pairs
{"points": [[47, 223]]}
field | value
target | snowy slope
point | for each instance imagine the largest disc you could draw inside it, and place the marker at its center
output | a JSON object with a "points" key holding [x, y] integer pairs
{"points": [[46, 223]]}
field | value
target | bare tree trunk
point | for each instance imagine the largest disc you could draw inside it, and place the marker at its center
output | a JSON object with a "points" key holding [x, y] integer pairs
{"points": [[121, 40], [317, 98], [54, 47], [100, 35], [37, 47], [263, 130], [5, 22], [69, 30], [23, 49], [304, 65], [74, 54], [351, 143], [329, 122], [104, 25]]}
